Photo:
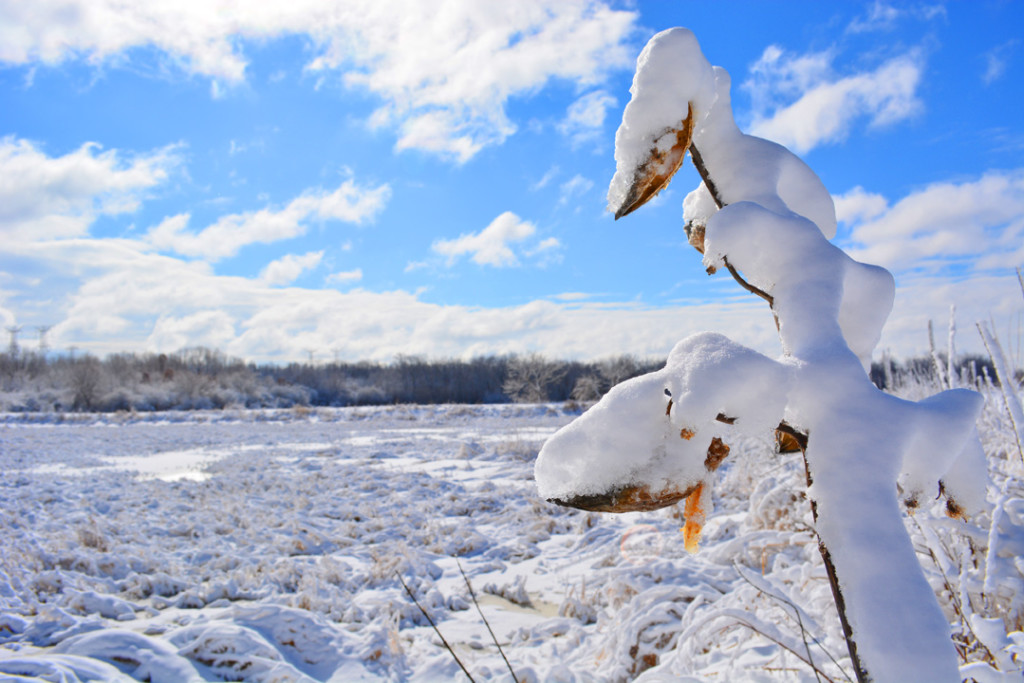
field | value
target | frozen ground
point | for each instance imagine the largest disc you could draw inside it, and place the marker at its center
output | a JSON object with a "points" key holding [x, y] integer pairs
{"points": [[266, 546]]}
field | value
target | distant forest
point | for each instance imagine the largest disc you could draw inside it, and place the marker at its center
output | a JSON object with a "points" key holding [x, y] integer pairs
{"points": [[202, 379]]}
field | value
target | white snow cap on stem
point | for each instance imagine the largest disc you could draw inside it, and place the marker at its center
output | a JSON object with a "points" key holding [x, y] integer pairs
{"points": [[822, 296], [671, 74], [628, 438], [774, 227]]}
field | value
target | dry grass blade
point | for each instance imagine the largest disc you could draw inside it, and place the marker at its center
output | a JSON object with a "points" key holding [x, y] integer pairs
{"points": [[434, 626], [803, 630], [472, 594]]}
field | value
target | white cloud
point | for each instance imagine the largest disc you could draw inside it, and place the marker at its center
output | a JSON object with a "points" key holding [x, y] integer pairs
{"points": [[857, 205], [444, 71], [492, 245], [884, 17], [548, 176], [288, 268], [880, 17], [777, 76], [974, 225], [822, 108], [996, 61], [584, 119], [577, 186], [44, 197], [572, 296], [127, 299], [345, 276], [348, 203], [546, 245], [213, 328]]}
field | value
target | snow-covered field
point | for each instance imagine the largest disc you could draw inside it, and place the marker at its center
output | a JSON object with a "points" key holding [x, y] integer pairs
{"points": [[267, 546]]}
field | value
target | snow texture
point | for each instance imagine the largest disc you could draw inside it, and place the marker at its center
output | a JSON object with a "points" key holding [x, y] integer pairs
{"points": [[864, 446], [672, 72], [705, 375], [274, 556]]}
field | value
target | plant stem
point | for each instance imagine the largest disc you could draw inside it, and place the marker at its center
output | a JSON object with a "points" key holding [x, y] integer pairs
{"points": [[436, 630], [472, 594], [702, 169], [826, 556], [833, 582]]}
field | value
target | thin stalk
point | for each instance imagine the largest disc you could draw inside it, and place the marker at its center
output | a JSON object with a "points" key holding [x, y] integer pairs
{"points": [[434, 626], [472, 594], [833, 582], [702, 169], [951, 352], [818, 673], [833, 579], [1006, 382], [936, 361]]}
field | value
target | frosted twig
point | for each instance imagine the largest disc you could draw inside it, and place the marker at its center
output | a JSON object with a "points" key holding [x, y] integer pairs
{"points": [[472, 594], [931, 540], [936, 361], [800, 623], [436, 630], [757, 626], [1010, 399], [702, 169], [951, 353]]}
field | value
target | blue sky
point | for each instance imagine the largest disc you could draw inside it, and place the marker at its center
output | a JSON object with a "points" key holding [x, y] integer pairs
{"points": [[359, 180]]}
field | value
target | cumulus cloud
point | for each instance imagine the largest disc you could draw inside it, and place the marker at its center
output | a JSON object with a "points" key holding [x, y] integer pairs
{"points": [[858, 205], [975, 225], [444, 72], [214, 328], [800, 103], [126, 298], [156, 303], [349, 203], [288, 268], [585, 117], [492, 246], [44, 197]]}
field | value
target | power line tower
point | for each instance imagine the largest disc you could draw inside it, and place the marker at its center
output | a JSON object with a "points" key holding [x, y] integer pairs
{"points": [[13, 330], [44, 346]]}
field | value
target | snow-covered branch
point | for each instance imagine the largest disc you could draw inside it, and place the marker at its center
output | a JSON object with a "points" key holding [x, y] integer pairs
{"points": [[766, 214]]}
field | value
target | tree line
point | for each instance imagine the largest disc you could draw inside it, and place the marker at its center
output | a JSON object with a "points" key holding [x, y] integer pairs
{"points": [[203, 378]]}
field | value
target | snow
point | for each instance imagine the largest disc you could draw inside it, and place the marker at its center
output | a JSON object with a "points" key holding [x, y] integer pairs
{"points": [[627, 440], [270, 545], [672, 72], [772, 221], [654, 108], [278, 563]]}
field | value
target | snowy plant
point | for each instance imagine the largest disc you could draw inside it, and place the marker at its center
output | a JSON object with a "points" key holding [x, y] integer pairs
{"points": [[655, 440]]}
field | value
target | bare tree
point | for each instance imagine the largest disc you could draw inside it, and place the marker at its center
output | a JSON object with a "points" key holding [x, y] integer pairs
{"points": [[530, 378], [85, 383], [587, 388]]}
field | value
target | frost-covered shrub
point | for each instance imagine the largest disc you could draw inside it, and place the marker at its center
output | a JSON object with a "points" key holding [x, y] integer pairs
{"points": [[763, 216]]}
